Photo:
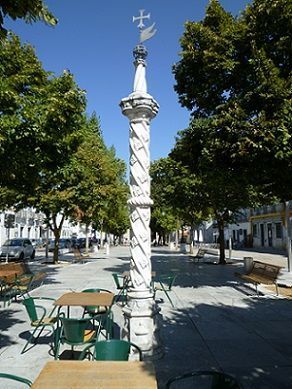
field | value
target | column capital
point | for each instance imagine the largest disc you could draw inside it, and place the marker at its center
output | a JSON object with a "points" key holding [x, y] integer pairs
{"points": [[139, 106]]}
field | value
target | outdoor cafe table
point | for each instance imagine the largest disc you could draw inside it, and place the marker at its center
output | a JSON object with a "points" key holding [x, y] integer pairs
{"points": [[96, 374], [84, 299]]}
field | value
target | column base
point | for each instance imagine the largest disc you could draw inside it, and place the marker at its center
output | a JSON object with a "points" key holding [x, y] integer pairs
{"points": [[142, 320]]}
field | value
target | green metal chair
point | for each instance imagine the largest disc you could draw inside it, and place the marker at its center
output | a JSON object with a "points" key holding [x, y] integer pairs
{"points": [[121, 284], [36, 321], [214, 380], [76, 332], [93, 310], [104, 314], [111, 350], [15, 378], [165, 283]]}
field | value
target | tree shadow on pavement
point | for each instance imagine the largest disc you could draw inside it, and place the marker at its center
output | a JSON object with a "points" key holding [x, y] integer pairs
{"points": [[251, 340], [8, 319], [162, 251], [118, 268], [195, 274]]}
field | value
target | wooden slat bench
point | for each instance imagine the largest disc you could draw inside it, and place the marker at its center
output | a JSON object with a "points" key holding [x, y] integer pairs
{"points": [[261, 273], [205, 250], [11, 270], [78, 257], [18, 277]]}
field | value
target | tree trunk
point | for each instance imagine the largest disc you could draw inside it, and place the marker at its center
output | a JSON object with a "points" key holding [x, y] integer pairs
{"points": [[101, 235], [86, 240], [176, 239], [192, 241], [57, 234], [288, 238], [47, 243], [222, 260], [56, 248]]}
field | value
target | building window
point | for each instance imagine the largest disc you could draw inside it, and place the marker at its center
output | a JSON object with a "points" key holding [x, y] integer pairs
{"points": [[255, 230], [278, 230]]}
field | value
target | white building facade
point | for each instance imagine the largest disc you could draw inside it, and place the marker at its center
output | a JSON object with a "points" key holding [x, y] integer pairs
{"points": [[268, 226], [27, 223]]}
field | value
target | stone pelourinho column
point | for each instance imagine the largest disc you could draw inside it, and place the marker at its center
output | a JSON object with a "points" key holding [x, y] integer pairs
{"points": [[141, 312]]}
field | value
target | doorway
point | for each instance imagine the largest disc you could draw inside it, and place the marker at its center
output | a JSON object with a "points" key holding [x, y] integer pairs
{"points": [[245, 238], [270, 235], [262, 235]]}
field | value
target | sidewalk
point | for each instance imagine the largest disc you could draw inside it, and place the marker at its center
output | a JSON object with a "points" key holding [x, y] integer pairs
{"points": [[274, 256], [216, 323]]}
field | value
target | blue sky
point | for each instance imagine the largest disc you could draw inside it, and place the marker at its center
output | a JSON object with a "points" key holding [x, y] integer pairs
{"points": [[94, 39]]}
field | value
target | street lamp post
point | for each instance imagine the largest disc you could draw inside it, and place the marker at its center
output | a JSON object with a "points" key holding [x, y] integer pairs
{"points": [[288, 237], [141, 312]]}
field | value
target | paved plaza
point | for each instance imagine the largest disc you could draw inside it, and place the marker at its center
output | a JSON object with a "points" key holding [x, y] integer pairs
{"points": [[216, 323]]}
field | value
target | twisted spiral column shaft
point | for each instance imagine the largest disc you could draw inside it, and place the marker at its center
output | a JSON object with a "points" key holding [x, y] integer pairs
{"points": [[140, 203]]}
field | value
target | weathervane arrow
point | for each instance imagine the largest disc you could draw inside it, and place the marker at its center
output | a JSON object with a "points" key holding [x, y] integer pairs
{"points": [[147, 33]]}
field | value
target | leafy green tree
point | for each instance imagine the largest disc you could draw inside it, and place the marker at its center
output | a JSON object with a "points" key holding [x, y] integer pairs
{"points": [[220, 192], [235, 77], [163, 222], [173, 190], [61, 120], [22, 85], [28, 10], [40, 127], [163, 215], [240, 68], [52, 156], [117, 216], [114, 215], [100, 191], [202, 74]]}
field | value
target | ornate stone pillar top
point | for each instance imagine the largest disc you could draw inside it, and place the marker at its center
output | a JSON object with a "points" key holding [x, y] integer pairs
{"points": [[140, 54]]}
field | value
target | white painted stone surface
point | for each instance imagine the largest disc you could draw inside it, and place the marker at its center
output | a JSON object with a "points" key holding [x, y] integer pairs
{"points": [[141, 312]]}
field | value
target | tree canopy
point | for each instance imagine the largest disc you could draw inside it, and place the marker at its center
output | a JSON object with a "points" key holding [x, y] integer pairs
{"points": [[100, 189], [246, 60], [23, 82], [174, 187], [234, 76], [28, 10], [175, 191], [53, 156]]}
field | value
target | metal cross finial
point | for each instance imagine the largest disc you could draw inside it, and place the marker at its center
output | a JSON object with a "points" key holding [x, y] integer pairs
{"points": [[140, 18]]}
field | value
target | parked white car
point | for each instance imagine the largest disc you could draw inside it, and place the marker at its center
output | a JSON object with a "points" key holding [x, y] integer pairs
{"points": [[17, 249]]}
